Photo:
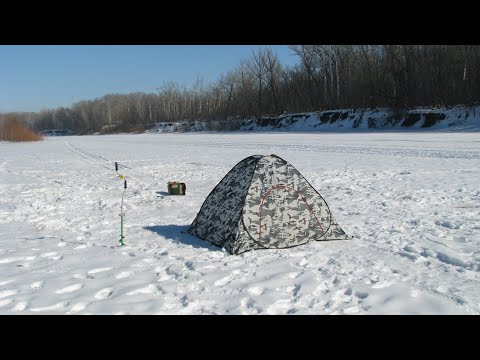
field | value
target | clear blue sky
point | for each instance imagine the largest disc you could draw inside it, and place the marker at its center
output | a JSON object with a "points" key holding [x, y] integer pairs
{"points": [[38, 77]]}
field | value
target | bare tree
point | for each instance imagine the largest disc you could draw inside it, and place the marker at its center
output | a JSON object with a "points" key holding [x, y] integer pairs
{"points": [[326, 76]]}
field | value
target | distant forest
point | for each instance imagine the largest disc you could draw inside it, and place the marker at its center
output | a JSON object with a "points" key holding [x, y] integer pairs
{"points": [[326, 77]]}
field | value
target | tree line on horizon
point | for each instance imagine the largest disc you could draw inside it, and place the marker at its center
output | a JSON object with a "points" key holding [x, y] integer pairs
{"points": [[325, 77]]}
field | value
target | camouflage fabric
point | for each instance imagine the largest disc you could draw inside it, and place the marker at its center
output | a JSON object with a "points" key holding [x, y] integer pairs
{"points": [[219, 214], [264, 203]]}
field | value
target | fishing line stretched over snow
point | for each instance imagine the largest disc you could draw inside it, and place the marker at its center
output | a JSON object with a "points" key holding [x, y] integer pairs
{"points": [[90, 155], [99, 160]]}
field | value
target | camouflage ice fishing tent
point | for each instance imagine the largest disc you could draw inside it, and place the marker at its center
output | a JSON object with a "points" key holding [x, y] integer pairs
{"points": [[264, 203]]}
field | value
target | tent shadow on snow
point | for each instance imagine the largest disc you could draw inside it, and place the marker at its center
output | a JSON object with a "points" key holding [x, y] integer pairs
{"points": [[177, 233]]}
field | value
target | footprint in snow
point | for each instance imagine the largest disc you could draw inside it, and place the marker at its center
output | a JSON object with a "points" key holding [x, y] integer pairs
{"points": [[69, 289], [123, 274], [78, 307], [382, 284], [104, 293], [5, 302], [304, 263], [83, 276], [36, 285], [162, 276], [361, 294], [174, 271], [250, 306], [352, 310], [60, 305], [12, 259], [281, 307], [256, 290], [49, 254], [53, 256], [189, 265], [293, 289], [22, 305], [407, 255], [292, 275], [343, 296], [94, 271], [150, 289], [223, 281], [6, 282]]}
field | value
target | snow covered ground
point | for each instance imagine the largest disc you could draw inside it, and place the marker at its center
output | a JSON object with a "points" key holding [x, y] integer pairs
{"points": [[410, 201]]}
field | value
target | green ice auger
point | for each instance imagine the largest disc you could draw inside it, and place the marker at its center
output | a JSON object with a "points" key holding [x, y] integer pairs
{"points": [[122, 214]]}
